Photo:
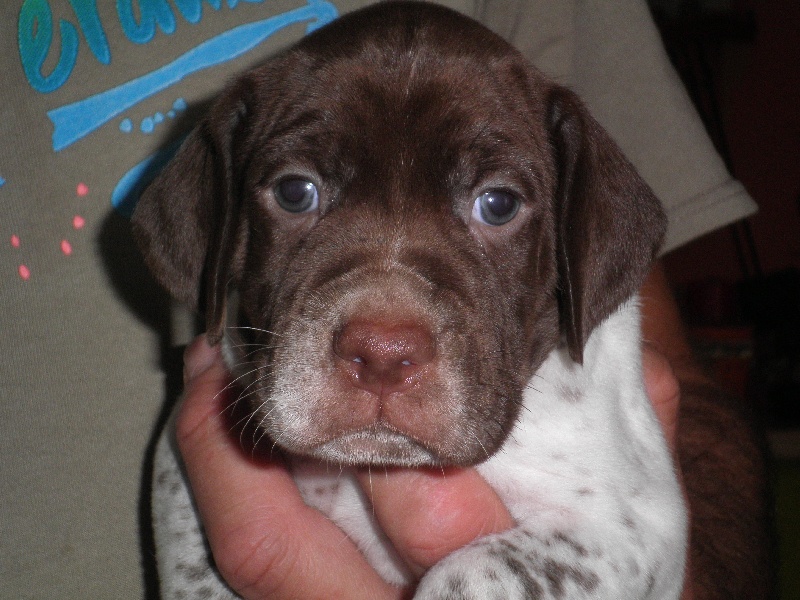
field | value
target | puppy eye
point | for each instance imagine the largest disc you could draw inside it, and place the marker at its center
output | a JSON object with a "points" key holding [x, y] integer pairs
{"points": [[297, 195], [495, 207]]}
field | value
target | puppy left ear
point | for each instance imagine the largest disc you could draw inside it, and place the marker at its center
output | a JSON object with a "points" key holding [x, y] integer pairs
{"points": [[609, 223]]}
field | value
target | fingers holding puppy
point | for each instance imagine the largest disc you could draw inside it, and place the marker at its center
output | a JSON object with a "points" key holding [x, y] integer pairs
{"points": [[431, 514]]}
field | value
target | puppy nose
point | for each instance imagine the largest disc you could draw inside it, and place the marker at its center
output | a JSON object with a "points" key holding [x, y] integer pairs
{"points": [[384, 357]]}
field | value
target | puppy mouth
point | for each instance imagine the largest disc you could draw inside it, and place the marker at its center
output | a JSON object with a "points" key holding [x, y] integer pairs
{"points": [[377, 445]]}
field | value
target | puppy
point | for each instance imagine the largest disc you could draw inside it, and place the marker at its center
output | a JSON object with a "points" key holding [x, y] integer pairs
{"points": [[435, 252]]}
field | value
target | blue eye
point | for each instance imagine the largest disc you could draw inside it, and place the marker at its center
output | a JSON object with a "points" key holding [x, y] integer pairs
{"points": [[495, 207], [296, 195]]}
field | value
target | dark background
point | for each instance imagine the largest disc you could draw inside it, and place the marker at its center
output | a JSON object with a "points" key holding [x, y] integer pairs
{"points": [[739, 287]]}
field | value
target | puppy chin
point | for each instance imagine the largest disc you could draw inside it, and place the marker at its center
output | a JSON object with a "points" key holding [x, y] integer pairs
{"points": [[376, 446]]}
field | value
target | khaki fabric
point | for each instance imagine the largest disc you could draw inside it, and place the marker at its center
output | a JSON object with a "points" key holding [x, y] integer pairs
{"points": [[88, 95]]}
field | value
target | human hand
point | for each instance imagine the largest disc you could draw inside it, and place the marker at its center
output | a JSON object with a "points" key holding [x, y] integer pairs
{"points": [[268, 544]]}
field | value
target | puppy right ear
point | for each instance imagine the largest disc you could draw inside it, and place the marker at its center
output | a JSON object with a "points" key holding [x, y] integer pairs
{"points": [[185, 223], [172, 219]]}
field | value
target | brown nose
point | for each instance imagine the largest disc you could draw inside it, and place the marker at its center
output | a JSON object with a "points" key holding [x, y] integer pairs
{"points": [[384, 356]]}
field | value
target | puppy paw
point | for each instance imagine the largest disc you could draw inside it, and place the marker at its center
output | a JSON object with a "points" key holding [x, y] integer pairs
{"points": [[477, 576], [507, 567]]}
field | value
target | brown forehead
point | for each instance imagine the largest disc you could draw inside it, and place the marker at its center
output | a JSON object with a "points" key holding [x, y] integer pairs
{"points": [[424, 97], [399, 107], [409, 60]]}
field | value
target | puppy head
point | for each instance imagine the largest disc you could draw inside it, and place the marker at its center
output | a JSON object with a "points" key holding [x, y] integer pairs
{"points": [[413, 218]]}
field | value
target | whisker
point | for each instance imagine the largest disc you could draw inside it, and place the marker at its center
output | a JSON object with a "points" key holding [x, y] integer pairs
{"points": [[480, 443], [244, 422], [371, 490], [256, 442], [258, 329], [234, 382], [253, 352]]}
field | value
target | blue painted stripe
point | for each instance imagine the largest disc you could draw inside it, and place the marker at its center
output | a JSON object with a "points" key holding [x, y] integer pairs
{"points": [[74, 121]]}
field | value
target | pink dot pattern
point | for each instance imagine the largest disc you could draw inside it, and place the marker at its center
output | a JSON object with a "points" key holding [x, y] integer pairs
{"points": [[78, 223]]}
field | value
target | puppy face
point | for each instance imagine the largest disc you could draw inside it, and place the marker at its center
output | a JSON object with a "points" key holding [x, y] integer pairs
{"points": [[413, 218]]}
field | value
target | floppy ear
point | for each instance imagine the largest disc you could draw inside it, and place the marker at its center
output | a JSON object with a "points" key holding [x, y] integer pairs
{"points": [[186, 221], [610, 224]]}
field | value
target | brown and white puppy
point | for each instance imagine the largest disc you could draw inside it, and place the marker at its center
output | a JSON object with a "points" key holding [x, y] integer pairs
{"points": [[434, 250]]}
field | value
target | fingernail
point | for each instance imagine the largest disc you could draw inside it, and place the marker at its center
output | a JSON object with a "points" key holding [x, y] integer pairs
{"points": [[197, 358]]}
